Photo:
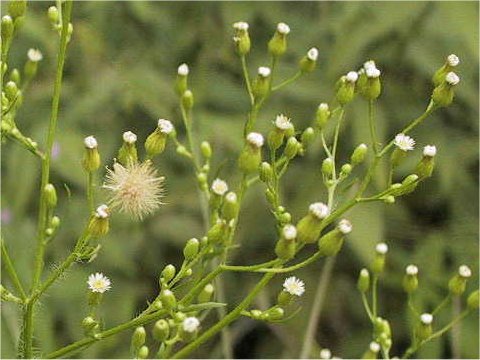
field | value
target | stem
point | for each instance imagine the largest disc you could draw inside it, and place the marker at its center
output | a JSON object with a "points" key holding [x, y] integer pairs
{"points": [[12, 272], [288, 81], [367, 307], [371, 121], [440, 306], [374, 296], [90, 199], [247, 79]]}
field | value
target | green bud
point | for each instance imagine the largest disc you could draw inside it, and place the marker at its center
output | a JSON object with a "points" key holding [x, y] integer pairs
{"points": [[155, 143], [372, 351], [458, 282], [191, 249], [284, 298], [327, 167], [443, 94], [91, 158], [55, 222], [181, 83], [410, 279], [230, 206], [128, 151], [99, 222], [251, 156], [270, 197], [53, 15], [138, 338], [266, 172], [143, 352], [424, 327], [261, 85], [11, 90], [206, 149], [451, 62], [389, 199], [88, 324], [275, 139], [161, 330], [380, 327], [182, 150], [241, 38], [292, 147], [345, 170], [187, 100], [473, 301], [168, 299], [309, 227], [202, 180], [50, 196], [322, 116], [284, 218], [330, 243], [168, 273], [309, 61], [363, 282], [274, 314], [7, 28], [285, 248], [17, 8], [425, 167], [206, 294], [15, 76], [278, 44], [217, 232], [358, 155], [308, 136], [378, 263], [346, 88]]}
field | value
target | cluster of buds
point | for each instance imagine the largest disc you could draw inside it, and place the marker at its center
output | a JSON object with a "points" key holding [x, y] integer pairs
{"points": [[274, 314], [444, 80], [56, 22], [368, 84], [382, 333]]}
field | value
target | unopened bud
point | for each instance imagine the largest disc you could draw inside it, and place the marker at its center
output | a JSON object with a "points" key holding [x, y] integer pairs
{"points": [[363, 282], [161, 330], [322, 116], [168, 273], [168, 299], [187, 100], [138, 338], [278, 44], [50, 196], [191, 249], [206, 149], [181, 83], [206, 293], [358, 155]]}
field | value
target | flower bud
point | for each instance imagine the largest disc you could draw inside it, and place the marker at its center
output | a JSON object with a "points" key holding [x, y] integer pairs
{"points": [[327, 167], [266, 173], [217, 232], [424, 327], [363, 282], [325, 354], [473, 301], [168, 273], [89, 324], [309, 61], [11, 90], [278, 43], [331, 243], [285, 247], [31, 66], [168, 299], [425, 167], [345, 170], [230, 206], [189, 328], [292, 147], [50, 196], [91, 158], [99, 223], [206, 293], [373, 86], [345, 88], [138, 338], [378, 263], [381, 328], [307, 136], [410, 279], [156, 141], [181, 83], [143, 352], [458, 282], [443, 94], [251, 157], [17, 8], [6, 28], [161, 330], [187, 100], [128, 151], [241, 38], [191, 249], [372, 352], [15, 76], [274, 314], [53, 15], [261, 85], [358, 155], [451, 62], [322, 116], [309, 227], [206, 149]]}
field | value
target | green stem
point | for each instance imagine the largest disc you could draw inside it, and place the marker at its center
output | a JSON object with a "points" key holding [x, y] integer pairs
{"points": [[247, 79], [288, 81], [12, 272], [367, 307], [371, 122], [90, 198], [374, 296], [440, 306]]}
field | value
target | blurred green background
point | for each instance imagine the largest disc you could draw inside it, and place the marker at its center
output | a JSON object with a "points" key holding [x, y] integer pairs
{"points": [[119, 73]]}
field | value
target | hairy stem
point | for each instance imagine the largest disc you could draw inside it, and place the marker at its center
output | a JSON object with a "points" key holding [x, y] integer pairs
{"points": [[12, 272]]}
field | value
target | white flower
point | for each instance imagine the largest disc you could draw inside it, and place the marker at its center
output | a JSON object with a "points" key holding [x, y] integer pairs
{"points": [[255, 139], [129, 137], [34, 55], [430, 151], [289, 232], [325, 354], [264, 71], [352, 76], [452, 78], [165, 126], [453, 60], [183, 70], [283, 28], [282, 122], [381, 248], [136, 189], [374, 347], [372, 73], [99, 283], [294, 286], [464, 271], [312, 54], [323, 107], [319, 210], [219, 187], [404, 142], [370, 64], [345, 226], [90, 142], [240, 25], [411, 270], [190, 324], [102, 212], [426, 318]]}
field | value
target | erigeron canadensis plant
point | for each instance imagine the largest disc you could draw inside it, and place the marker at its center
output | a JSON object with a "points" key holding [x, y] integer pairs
{"points": [[171, 325]]}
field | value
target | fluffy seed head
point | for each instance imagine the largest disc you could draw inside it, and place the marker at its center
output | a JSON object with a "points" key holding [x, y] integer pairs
{"points": [[404, 142], [352, 76], [294, 286], [289, 232], [283, 28], [452, 78], [135, 189], [453, 60], [190, 324], [430, 150], [464, 271], [426, 318], [381, 248], [129, 137], [411, 270], [325, 354], [319, 210], [183, 70], [282, 122], [372, 73], [255, 139], [345, 226], [240, 25], [312, 54], [34, 55], [219, 187], [102, 212], [99, 283], [264, 71], [90, 142], [165, 126]]}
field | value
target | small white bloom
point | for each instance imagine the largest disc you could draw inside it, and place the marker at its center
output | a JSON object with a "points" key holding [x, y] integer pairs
{"points": [[325, 354], [190, 324], [364, 273], [464, 271], [430, 151], [411, 270], [264, 71], [219, 187], [231, 197], [289, 232], [183, 70], [34, 55], [312, 54], [255, 139], [283, 28], [102, 212], [99, 283], [404, 142], [374, 347], [282, 122], [352, 76], [323, 106], [129, 137], [370, 64], [345, 226], [240, 25], [426, 318], [90, 142], [319, 210], [452, 78], [453, 60], [294, 286], [381, 248], [165, 126], [372, 73]]}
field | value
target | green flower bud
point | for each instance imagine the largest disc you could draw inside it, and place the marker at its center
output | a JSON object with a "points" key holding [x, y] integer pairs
{"points": [[378, 263], [156, 141], [327, 167], [241, 38], [189, 328], [443, 94], [284, 218], [373, 86], [425, 167], [274, 314], [251, 157], [309, 227], [53, 15], [424, 327], [128, 151], [138, 338], [346, 88], [161, 330], [284, 298], [6, 28], [206, 294], [410, 279], [230, 206], [168, 273], [292, 147], [88, 325], [345, 170], [270, 197], [458, 282], [31, 66], [187, 100], [285, 247], [15, 76], [181, 83], [11, 90], [363, 282], [50, 196], [168, 299], [278, 44], [261, 85], [372, 352], [473, 300], [143, 352], [99, 223], [17, 8], [266, 172], [308, 136], [358, 155], [382, 327], [206, 149], [191, 249], [202, 180], [55, 222], [217, 232], [275, 139], [309, 61], [322, 116], [389, 199], [91, 158], [451, 62], [331, 243]]}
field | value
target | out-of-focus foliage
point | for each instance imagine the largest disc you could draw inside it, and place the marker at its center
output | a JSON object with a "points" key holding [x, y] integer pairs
{"points": [[119, 73]]}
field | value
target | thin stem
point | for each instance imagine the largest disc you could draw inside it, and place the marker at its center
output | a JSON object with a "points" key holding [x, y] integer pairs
{"points": [[12, 272], [247, 79], [440, 306], [371, 122], [411, 306], [367, 307], [90, 198], [374, 296], [288, 81]]}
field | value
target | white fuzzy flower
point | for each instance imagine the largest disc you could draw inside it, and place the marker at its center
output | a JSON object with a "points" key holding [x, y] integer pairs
{"points": [[452, 78], [289, 232], [165, 126], [345, 226], [282, 122], [129, 137], [319, 210], [453, 60], [183, 70], [255, 139], [34, 55], [219, 187], [370, 64], [325, 354], [283, 28], [294, 286], [372, 73], [312, 54], [404, 142], [352, 76], [264, 71], [323, 107], [374, 347], [90, 142], [464, 271], [240, 25], [190, 324], [411, 270], [430, 150], [426, 318], [102, 212], [381, 248], [99, 283]]}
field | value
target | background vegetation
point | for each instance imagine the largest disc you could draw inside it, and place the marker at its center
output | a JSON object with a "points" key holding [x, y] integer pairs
{"points": [[119, 74]]}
